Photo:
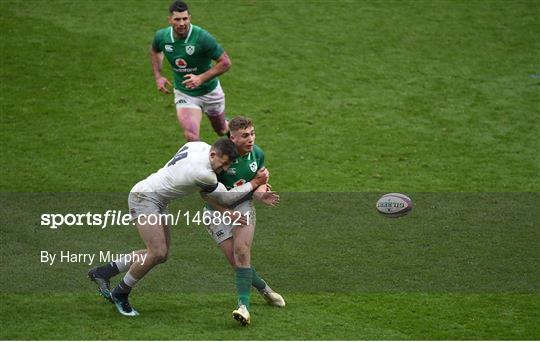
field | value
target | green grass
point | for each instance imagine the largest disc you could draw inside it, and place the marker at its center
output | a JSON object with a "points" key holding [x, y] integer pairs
{"points": [[308, 316], [358, 95], [446, 271], [438, 99]]}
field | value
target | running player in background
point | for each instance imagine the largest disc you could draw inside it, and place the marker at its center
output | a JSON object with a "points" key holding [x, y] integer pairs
{"points": [[190, 51]]}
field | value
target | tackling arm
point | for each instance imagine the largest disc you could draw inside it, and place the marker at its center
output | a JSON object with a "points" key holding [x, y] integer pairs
{"points": [[226, 197], [229, 197], [212, 199]]}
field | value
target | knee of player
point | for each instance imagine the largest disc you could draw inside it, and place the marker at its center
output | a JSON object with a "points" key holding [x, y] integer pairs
{"points": [[158, 256], [241, 251]]}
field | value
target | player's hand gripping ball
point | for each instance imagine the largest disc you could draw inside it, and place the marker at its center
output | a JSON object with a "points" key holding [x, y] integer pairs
{"points": [[394, 205]]}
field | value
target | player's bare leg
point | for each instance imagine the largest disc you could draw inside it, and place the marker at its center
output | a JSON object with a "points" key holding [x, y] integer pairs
{"points": [[227, 248], [242, 240], [219, 123], [157, 240], [190, 121]]}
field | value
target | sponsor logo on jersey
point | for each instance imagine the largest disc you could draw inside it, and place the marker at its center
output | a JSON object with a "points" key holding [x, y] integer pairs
{"points": [[231, 171], [181, 63], [190, 49], [240, 182], [169, 48], [253, 166]]}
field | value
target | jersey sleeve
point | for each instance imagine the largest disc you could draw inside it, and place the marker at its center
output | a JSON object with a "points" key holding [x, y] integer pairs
{"points": [[207, 181], [259, 155], [156, 43], [232, 196], [210, 45]]}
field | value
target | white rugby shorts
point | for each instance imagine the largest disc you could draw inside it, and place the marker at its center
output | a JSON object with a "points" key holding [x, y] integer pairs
{"points": [[212, 104], [221, 232], [144, 204]]}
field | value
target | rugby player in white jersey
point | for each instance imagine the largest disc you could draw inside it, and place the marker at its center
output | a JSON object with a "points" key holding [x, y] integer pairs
{"points": [[192, 169]]}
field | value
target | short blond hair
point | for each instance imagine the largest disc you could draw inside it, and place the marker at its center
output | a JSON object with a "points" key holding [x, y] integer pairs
{"points": [[239, 122]]}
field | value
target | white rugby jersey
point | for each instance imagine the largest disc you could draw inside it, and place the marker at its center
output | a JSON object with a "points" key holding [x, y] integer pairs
{"points": [[187, 172]]}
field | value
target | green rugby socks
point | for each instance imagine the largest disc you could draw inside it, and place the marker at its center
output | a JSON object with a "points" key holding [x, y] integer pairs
{"points": [[257, 281], [244, 276]]}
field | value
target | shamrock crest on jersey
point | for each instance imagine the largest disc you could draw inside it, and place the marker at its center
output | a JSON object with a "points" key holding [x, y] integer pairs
{"points": [[243, 169], [192, 54]]}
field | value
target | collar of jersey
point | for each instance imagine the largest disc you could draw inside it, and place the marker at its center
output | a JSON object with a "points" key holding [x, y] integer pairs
{"points": [[247, 156], [187, 37]]}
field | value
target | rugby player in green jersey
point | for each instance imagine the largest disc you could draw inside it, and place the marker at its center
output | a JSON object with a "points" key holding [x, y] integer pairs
{"points": [[190, 51], [235, 241]]}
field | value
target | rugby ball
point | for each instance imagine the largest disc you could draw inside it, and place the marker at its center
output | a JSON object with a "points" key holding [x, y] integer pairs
{"points": [[394, 205]]}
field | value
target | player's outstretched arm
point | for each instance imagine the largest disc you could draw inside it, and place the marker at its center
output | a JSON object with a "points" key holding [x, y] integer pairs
{"points": [[228, 197], [236, 216]]}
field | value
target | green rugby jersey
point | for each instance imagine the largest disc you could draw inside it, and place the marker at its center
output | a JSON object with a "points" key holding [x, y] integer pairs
{"points": [[242, 170], [190, 55]]}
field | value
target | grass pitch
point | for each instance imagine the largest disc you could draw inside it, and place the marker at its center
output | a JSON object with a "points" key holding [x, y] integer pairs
{"points": [[350, 99], [346, 96], [308, 316]]}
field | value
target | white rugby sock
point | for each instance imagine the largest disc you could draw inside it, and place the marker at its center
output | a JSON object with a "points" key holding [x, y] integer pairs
{"points": [[124, 262], [129, 280]]}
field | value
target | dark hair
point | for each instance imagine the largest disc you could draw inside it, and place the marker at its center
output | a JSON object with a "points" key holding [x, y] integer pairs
{"points": [[225, 146], [239, 122], [178, 6]]}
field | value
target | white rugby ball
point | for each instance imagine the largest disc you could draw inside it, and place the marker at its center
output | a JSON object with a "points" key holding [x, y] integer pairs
{"points": [[394, 205]]}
